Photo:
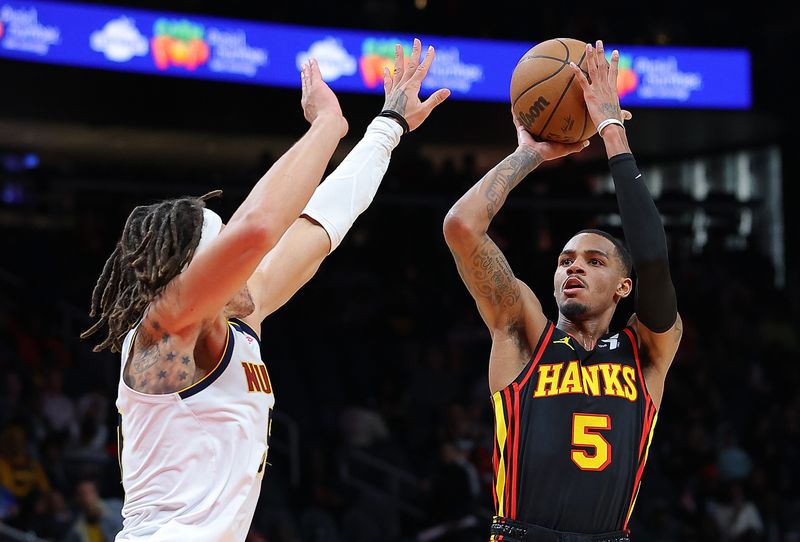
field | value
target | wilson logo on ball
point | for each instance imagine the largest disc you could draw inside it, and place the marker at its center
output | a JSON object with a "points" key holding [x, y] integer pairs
{"points": [[543, 82], [529, 117]]}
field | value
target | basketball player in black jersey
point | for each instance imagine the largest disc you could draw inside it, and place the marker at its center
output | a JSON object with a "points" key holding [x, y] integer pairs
{"points": [[575, 404]]}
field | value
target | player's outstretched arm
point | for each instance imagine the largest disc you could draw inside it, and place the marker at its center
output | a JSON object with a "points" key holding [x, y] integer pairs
{"points": [[348, 191], [217, 273], [509, 308], [656, 320]]}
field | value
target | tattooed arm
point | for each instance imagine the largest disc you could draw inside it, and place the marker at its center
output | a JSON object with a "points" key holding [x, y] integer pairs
{"points": [[509, 308], [479, 261], [161, 362]]}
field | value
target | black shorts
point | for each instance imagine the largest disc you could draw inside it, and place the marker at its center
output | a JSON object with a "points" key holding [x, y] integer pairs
{"points": [[508, 530]]}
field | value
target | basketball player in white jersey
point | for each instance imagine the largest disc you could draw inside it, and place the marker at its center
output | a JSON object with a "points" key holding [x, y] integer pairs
{"points": [[183, 297]]}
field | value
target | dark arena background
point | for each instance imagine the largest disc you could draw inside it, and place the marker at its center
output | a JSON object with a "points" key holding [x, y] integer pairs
{"points": [[383, 427]]}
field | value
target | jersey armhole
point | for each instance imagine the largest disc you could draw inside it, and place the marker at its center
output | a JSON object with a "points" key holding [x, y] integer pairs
{"points": [[240, 325], [127, 350], [541, 346], [214, 373], [634, 338]]}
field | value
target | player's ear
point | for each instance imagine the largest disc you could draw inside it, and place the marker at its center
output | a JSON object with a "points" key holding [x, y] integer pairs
{"points": [[625, 287]]}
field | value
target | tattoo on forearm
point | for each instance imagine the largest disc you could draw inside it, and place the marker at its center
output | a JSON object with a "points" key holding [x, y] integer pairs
{"points": [[508, 175], [491, 276], [397, 103], [611, 110]]}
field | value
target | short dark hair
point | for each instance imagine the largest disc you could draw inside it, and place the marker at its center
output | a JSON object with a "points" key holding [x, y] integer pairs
{"points": [[622, 251]]}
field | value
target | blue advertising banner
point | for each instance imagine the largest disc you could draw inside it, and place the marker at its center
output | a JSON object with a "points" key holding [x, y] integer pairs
{"points": [[161, 43]]}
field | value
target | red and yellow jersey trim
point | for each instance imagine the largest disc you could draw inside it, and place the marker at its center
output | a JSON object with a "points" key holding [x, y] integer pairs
{"points": [[648, 427], [506, 406]]}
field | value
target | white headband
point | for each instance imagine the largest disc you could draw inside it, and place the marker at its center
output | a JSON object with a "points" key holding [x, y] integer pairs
{"points": [[212, 225]]}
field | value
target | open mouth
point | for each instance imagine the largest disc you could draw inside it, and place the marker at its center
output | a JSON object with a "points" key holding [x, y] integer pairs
{"points": [[572, 285]]}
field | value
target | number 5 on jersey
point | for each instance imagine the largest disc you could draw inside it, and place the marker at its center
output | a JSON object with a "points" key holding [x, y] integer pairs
{"points": [[584, 434]]}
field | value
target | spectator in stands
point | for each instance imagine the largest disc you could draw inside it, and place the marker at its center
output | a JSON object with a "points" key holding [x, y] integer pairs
{"points": [[97, 520], [20, 473], [51, 516], [58, 408], [737, 517]]}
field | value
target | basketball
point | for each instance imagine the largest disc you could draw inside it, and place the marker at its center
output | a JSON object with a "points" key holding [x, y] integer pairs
{"points": [[545, 96]]}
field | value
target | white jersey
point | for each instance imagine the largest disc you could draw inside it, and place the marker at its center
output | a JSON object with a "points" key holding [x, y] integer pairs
{"points": [[192, 461]]}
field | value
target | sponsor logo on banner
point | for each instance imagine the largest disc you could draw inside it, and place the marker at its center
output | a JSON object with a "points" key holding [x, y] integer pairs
{"points": [[662, 79], [119, 40], [21, 30], [178, 42], [627, 79], [334, 60], [449, 71], [377, 53], [232, 54]]}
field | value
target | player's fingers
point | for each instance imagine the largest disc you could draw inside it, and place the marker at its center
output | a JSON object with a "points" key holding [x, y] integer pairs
{"points": [[580, 76], [514, 117], [626, 115], [591, 62], [413, 62], [422, 71], [614, 69], [316, 74], [435, 99], [304, 77], [399, 63], [388, 83], [602, 63], [577, 147], [558, 150]]}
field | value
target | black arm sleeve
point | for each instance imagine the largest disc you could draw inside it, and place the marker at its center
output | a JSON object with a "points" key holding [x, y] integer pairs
{"points": [[656, 305]]}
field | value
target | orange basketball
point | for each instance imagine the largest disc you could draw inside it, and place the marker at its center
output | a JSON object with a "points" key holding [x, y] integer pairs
{"points": [[545, 96]]}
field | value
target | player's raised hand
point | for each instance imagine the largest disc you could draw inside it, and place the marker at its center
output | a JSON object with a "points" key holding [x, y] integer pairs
{"points": [[402, 87], [318, 100], [547, 150], [602, 99]]}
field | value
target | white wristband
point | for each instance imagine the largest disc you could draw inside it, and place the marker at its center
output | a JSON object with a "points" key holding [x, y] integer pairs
{"points": [[607, 122]]}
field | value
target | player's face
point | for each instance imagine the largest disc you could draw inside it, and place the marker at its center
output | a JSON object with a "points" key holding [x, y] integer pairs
{"points": [[589, 277], [241, 304]]}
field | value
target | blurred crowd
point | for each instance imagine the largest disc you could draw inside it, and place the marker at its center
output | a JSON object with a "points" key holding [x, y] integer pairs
{"points": [[380, 365]]}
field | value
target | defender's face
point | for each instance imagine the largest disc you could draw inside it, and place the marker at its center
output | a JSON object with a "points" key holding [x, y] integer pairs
{"points": [[589, 277], [241, 305]]}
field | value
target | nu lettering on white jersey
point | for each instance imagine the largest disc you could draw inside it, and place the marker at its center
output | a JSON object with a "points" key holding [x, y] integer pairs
{"points": [[192, 461]]}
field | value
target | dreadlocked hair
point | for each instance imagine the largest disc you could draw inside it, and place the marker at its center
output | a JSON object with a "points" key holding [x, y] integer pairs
{"points": [[157, 242]]}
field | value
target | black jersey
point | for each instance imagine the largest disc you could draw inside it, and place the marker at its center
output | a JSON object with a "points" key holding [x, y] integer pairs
{"points": [[572, 434]]}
